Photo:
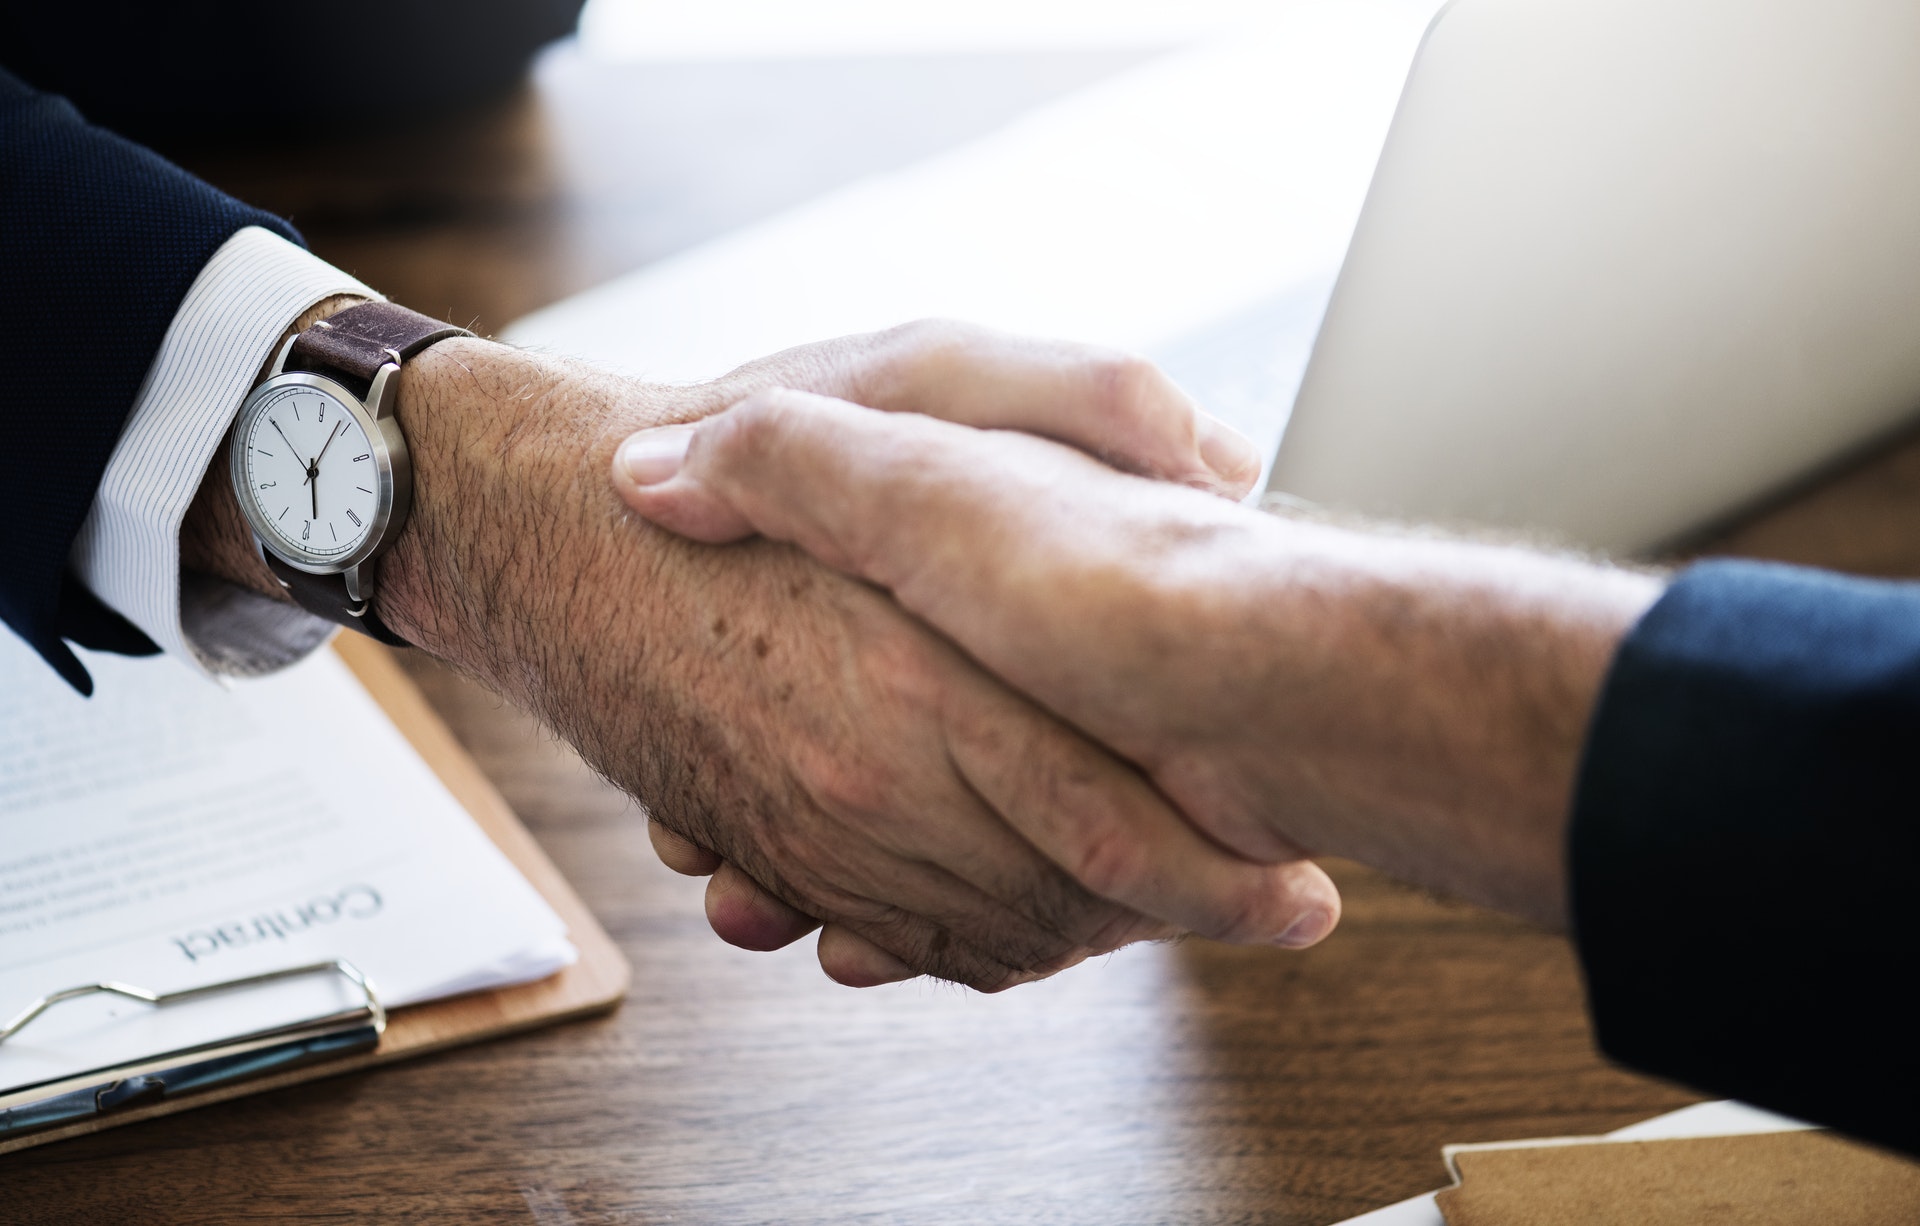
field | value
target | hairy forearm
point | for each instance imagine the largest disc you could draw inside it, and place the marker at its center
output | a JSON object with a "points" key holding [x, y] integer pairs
{"points": [[497, 440], [520, 568], [516, 565], [789, 719], [506, 527], [1412, 702], [1427, 701]]}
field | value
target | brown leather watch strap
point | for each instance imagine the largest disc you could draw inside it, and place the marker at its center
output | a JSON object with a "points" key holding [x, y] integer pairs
{"points": [[354, 344], [350, 347], [326, 596]]}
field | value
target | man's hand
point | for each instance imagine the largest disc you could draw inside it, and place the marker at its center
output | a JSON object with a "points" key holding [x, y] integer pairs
{"points": [[1414, 703], [794, 722]]}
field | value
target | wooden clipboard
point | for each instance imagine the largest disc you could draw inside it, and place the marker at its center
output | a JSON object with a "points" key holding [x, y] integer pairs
{"points": [[593, 984]]}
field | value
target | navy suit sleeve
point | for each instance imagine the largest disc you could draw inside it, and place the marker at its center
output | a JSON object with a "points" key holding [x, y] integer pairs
{"points": [[99, 242], [1745, 843]]}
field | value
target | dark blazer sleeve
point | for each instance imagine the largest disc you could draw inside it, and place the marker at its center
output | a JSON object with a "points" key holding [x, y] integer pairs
{"points": [[1746, 840], [99, 241]]}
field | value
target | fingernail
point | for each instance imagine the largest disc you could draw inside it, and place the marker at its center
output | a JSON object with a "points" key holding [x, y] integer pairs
{"points": [[1306, 930], [653, 456], [1229, 453]]}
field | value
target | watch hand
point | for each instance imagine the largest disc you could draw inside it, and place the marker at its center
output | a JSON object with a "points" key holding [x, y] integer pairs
{"points": [[329, 443], [284, 438], [313, 467]]}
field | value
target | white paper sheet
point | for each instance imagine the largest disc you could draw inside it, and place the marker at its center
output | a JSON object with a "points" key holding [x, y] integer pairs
{"points": [[1195, 208], [168, 832]]}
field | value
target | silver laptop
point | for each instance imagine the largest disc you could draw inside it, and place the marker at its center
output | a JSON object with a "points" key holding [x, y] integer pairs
{"points": [[1625, 267]]}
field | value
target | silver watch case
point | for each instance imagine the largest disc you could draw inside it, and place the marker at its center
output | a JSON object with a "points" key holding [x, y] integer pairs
{"points": [[393, 469]]}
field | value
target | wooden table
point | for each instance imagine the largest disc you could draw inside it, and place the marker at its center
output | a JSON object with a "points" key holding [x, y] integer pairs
{"points": [[1189, 1083]]}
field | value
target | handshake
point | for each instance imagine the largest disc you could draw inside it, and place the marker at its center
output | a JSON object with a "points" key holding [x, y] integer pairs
{"points": [[961, 649]]}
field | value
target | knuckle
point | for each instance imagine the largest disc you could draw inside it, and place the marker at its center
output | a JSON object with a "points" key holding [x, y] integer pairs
{"points": [[1128, 383], [909, 355], [930, 332], [1108, 863], [849, 787], [757, 426], [905, 665], [1133, 392]]}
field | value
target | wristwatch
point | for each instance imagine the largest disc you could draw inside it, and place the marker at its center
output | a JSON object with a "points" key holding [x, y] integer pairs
{"points": [[319, 463]]}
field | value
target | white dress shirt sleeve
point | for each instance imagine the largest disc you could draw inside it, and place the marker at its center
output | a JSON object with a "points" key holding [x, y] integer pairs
{"points": [[128, 550]]}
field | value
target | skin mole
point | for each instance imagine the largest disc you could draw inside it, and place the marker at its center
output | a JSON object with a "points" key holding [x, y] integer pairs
{"points": [[719, 627], [760, 646]]}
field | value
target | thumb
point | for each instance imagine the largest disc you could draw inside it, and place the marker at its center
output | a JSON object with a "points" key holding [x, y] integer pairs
{"points": [[649, 475], [863, 491], [1006, 543]]}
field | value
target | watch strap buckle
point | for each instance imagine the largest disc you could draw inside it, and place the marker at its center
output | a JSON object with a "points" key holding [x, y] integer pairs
{"points": [[334, 598]]}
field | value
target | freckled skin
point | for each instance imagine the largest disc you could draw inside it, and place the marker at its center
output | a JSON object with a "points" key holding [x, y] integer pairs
{"points": [[1413, 702], [519, 566], [865, 773]]}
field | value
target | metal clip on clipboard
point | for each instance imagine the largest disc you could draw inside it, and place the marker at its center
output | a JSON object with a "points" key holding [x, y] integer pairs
{"points": [[189, 1070]]}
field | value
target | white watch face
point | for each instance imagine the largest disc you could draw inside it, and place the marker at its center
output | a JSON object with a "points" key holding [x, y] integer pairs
{"points": [[311, 473]]}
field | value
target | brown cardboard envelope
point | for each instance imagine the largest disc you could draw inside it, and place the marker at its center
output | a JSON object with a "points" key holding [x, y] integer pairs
{"points": [[1800, 1178]]}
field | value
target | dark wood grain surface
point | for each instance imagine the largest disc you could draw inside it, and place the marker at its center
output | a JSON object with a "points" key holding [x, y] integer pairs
{"points": [[1187, 1083]]}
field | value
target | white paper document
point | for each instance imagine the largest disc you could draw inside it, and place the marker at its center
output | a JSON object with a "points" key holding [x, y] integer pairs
{"points": [[169, 833], [1195, 209]]}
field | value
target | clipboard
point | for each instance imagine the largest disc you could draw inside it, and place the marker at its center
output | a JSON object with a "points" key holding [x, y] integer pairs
{"points": [[595, 983]]}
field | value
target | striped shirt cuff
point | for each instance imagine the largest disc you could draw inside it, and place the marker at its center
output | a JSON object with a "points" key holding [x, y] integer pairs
{"points": [[128, 551]]}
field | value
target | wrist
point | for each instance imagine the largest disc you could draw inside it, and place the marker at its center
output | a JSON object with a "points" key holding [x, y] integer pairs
{"points": [[215, 538], [1441, 691], [510, 506]]}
